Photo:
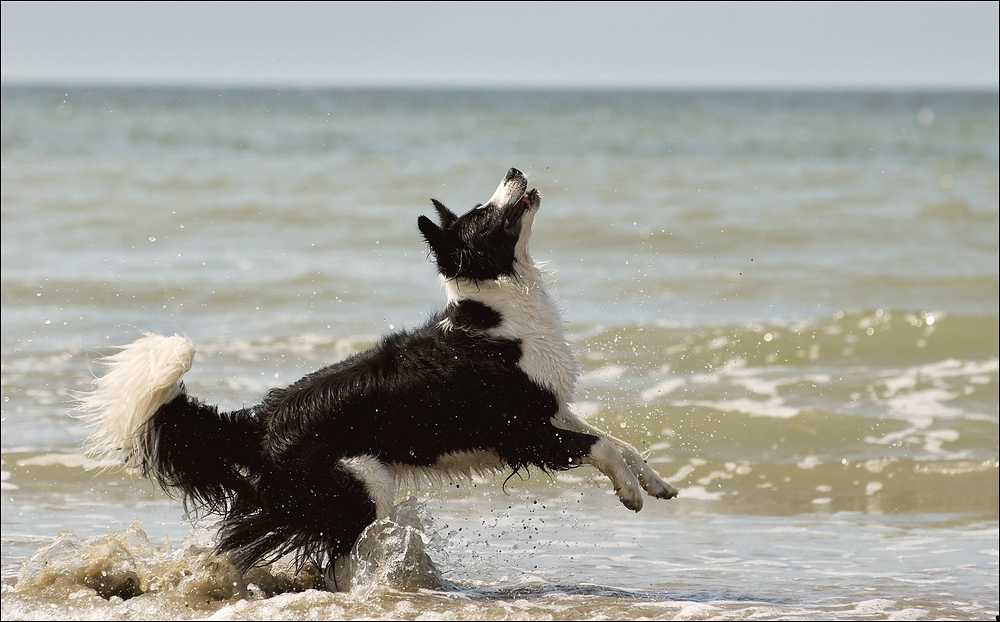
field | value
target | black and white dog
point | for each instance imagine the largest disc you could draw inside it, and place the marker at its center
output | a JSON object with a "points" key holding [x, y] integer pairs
{"points": [[484, 385]]}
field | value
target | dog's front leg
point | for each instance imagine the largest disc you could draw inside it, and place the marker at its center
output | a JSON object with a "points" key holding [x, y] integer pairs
{"points": [[553, 445], [607, 459], [649, 479]]}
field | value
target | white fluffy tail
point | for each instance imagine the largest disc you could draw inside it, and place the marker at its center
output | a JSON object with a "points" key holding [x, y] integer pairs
{"points": [[143, 376]]}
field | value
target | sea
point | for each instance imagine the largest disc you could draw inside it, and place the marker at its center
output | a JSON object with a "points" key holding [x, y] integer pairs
{"points": [[787, 300]]}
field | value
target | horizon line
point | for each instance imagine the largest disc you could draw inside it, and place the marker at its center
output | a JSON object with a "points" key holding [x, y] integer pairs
{"points": [[499, 86]]}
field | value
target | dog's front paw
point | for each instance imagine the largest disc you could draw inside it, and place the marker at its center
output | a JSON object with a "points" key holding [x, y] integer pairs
{"points": [[630, 494], [608, 459], [632, 499], [659, 488], [649, 479]]}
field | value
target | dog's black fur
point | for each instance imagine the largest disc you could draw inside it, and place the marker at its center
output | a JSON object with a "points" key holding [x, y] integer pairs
{"points": [[273, 470], [278, 472]]}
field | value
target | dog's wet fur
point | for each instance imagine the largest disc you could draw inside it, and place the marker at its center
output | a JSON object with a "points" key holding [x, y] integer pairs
{"points": [[484, 386]]}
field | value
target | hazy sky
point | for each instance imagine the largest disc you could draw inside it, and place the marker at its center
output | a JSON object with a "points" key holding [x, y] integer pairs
{"points": [[952, 44]]}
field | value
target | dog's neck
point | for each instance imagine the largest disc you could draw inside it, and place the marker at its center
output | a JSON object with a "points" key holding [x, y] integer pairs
{"points": [[531, 317]]}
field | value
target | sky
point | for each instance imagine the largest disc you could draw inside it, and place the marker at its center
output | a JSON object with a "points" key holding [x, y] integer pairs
{"points": [[506, 44]]}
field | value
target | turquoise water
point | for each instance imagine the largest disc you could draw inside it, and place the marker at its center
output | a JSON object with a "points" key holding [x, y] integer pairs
{"points": [[789, 299]]}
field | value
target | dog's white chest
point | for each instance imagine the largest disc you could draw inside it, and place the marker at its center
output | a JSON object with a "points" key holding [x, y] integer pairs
{"points": [[545, 356], [530, 317]]}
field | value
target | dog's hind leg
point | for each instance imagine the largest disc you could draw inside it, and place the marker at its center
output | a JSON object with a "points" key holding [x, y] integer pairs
{"points": [[381, 487], [315, 510], [649, 479], [379, 482], [338, 574]]}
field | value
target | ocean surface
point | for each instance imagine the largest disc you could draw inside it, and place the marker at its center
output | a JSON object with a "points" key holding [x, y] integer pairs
{"points": [[790, 300]]}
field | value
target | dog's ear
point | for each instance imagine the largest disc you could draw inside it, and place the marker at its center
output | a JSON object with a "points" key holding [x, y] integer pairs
{"points": [[437, 238], [448, 217]]}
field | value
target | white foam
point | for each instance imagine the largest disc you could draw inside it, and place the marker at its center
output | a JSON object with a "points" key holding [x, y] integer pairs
{"points": [[951, 368], [920, 393], [663, 389], [585, 410], [4, 484], [307, 346], [69, 460], [696, 611], [809, 462], [604, 374], [683, 472], [773, 407], [761, 386], [714, 475], [932, 440], [818, 378], [925, 403], [698, 493], [718, 343]]}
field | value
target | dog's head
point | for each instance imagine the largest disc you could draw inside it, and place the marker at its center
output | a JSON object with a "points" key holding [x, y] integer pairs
{"points": [[491, 239]]}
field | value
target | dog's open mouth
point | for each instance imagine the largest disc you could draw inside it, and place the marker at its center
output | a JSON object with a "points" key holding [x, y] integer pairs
{"points": [[518, 209]]}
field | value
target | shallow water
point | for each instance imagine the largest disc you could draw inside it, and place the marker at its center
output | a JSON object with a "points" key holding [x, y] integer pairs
{"points": [[790, 300]]}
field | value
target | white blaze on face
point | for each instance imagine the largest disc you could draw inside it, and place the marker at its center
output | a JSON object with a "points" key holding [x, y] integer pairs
{"points": [[509, 191]]}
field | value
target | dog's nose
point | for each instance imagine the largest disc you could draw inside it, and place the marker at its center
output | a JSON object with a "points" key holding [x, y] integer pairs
{"points": [[512, 173]]}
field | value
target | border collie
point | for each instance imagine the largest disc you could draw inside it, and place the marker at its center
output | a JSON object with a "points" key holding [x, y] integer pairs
{"points": [[484, 386]]}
